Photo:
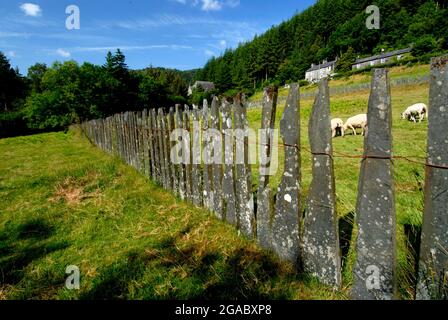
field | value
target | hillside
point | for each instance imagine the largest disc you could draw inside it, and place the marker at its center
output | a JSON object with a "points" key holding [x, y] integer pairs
{"points": [[328, 29]]}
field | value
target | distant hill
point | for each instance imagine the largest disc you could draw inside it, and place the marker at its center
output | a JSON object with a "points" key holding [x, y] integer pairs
{"points": [[328, 29]]}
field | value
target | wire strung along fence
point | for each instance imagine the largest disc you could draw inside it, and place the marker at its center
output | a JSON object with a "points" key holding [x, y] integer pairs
{"points": [[196, 154]]}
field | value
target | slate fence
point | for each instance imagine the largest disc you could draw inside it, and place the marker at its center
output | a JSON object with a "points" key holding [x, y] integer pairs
{"points": [[144, 140]]}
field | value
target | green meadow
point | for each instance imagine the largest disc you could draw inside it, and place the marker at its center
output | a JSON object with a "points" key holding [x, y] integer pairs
{"points": [[65, 202]]}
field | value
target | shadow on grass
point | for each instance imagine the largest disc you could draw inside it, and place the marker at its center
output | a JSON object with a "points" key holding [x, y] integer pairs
{"points": [[21, 245], [346, 224], [191, 273]]}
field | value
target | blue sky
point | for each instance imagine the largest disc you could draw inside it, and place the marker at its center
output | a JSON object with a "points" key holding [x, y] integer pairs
{"points": [[180, 34]]}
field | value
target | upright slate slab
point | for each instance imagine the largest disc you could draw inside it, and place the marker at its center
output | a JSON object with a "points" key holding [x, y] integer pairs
{"points": [[151, 144], [156, 144], [228, 179], [172, 158], [181, 168], [162, 176], [217, 168], [126, 138], [433, 264], [207, 141], [285, 226], [187, 145], [374, 271], [133, 139], [166, 153], [320, 252], [196, 181], [121, 134], [264, 202], [140, 142], [245, 205]]}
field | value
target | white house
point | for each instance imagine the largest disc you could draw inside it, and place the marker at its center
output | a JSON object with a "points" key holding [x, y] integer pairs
{"points": [[206, 86], [320, 71], [380, 59]]}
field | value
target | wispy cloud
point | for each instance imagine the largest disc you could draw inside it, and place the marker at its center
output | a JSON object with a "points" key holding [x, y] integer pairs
{"points": [[11, 54], [229, 33], [14, 34], [63, 53], [211, 5], [209, 53], [31, 9], [131, 48]]}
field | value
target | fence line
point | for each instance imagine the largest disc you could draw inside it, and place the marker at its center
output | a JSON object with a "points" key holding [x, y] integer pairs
{"points": [[145, 141]]}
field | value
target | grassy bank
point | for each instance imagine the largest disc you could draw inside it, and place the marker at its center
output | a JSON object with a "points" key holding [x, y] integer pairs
{"points": [[64, 203]]}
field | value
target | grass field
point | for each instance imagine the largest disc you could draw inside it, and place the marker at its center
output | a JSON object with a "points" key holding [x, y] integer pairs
{"points": [[409, 139], [64, 203]]}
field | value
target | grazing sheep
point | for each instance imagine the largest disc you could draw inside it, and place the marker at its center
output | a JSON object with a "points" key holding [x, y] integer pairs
{"points": [[417, 110], [335, 125], [359, 121]]}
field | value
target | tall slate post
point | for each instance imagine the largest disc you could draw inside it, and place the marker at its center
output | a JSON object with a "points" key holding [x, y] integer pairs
{"points": [[374, 271], [264, 202], [173, 168], [146, 149], [207, 142], [320, 245], [156, 144], [244, 197], [217, 169], [181, 156], [285, 226], [166, 152], [187, 145], [151, 144], [196, 181], [433, 264], [228, 179]]}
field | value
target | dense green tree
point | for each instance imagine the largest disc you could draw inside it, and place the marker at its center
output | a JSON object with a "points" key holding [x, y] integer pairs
{"points": [[346, 61], [12, 85], [35, 75]]}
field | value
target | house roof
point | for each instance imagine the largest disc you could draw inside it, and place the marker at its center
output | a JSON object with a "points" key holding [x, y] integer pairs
{"points": [[322, 66], [204, 85], [384, 55]]}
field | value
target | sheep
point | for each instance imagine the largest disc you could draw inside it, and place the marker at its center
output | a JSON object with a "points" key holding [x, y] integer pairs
{"points": [[335, 125], [419, 109], [359, 121]]}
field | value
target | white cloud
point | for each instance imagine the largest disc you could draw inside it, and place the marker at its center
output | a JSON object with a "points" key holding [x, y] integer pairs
{"points": [[11, 54], [223, 44], [209, 53], [31, 9], [63, 53], [211, 5]]}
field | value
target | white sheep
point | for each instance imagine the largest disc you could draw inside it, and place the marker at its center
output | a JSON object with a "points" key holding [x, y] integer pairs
{"points": [[359, 121], [335, 125], [417, 110]]}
